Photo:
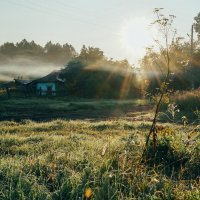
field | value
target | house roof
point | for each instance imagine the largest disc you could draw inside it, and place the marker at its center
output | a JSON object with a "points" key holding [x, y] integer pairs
{"points": [[52, 77], [22, 82]]}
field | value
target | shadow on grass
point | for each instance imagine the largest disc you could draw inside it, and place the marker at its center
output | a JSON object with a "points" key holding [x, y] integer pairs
{"points": [[44, 109]]}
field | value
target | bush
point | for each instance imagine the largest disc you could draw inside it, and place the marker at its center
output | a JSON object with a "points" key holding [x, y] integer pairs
{"points": [[177, 154], [187, 100]]}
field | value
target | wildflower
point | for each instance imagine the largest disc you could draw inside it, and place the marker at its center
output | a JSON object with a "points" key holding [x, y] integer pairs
{"points": [[51, 177], [110, 176], [184, 120], [132, 142], [154, 180], [88, 193]]}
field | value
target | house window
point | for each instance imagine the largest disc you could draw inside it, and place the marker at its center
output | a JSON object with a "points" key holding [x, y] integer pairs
{"points": [[46, 89]]}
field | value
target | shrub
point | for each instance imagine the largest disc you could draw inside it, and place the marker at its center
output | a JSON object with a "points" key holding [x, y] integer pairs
{"points": [[188, 101]]}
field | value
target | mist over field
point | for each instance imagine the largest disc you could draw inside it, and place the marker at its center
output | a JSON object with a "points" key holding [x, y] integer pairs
{"points": [[30, 60], [26, 69]]}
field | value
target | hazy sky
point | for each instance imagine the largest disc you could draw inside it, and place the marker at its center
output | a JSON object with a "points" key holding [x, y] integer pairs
{"points": [[119, 27]]}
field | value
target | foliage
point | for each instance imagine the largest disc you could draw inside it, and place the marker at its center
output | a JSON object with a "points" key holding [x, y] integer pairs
{"points": [[50, 53], [154, 67], [175, 153], [92, 75], [185, 67], [187, 101]]}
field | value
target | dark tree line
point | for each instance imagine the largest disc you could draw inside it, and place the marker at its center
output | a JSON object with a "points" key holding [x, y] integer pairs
{"points": [[92, 75], [50, 53]]}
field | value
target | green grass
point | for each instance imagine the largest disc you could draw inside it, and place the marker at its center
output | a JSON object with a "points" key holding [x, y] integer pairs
{"points": [[59, 159]]}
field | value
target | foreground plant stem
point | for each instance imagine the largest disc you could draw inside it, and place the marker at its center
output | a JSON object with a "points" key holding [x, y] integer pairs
{"points": [[163, 89]]}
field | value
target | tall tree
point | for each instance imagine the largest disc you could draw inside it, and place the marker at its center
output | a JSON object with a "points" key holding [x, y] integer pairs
{"points": [[8, 48], [91, 54]]}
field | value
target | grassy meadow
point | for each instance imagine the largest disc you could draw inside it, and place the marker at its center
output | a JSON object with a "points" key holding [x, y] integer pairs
{"points": [[76, 149], [76, 159]]}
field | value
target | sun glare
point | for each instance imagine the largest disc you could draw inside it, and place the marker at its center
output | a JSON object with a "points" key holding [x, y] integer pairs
{"points": [[135, 35]]}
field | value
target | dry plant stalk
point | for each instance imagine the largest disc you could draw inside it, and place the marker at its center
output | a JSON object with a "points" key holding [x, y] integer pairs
{"points": [[165, 28]]}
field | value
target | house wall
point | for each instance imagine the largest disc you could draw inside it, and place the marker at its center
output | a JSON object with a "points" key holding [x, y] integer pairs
{"points": [[42, 88]]}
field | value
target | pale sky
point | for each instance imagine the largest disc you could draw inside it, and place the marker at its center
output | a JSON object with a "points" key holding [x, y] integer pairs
{"points": [[119, 27]]}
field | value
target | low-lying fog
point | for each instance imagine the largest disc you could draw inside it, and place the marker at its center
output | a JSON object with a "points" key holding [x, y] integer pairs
{"points": [[30, 71]]}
